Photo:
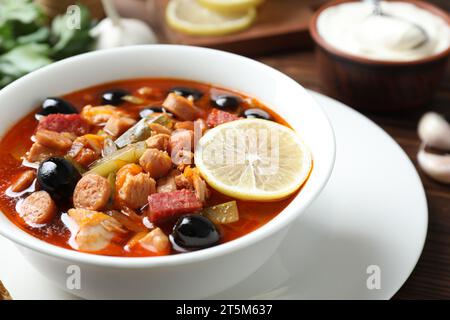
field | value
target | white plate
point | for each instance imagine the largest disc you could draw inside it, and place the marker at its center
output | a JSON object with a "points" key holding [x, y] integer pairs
{"points": [[372, 213]]}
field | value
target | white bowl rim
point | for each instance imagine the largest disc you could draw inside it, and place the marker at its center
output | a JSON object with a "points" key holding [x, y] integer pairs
{"points": [[274, 225]]}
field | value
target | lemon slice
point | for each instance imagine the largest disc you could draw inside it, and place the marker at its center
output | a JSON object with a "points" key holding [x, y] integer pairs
{"points": [[188, 16], [253, 159], [230, 5]]}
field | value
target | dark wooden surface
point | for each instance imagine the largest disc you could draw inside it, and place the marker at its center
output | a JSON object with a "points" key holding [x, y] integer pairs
{"points": [[431, 277]]}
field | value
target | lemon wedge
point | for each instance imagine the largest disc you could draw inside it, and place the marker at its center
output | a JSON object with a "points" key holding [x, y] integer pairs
{"points": [[253, 159], [230, 5], [188, 16]]}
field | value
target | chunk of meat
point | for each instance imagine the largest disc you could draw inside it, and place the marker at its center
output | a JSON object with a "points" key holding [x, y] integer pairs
{"points": [[136, 189], [98, 116], [92, 192], [217, 117], [86, 149], [199, 128], [159, 129], [156, 162], [72, 123], [201, 190], [185, 125], [25, 180], [38, 208], [115, 125], [181, 107], [181, 145], [183, 183], [159, 141], [167, 183], [39, 153], [94, 230], [181, 140], [156, 241], [130, 168], [198, 184], [168, 205], [54, 140]]}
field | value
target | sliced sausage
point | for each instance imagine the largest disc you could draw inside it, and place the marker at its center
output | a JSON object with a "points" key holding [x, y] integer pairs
{"points": [[38, 208], [24, 181], [181, 107], [92, 192], [217, 117], [72, 123], [156, 162], [136, 189], [159, 141]]}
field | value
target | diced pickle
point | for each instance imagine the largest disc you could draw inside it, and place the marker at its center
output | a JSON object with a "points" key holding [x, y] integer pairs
{"points": [[140, 131], [115, 161], [224, 213], [134, 99]]}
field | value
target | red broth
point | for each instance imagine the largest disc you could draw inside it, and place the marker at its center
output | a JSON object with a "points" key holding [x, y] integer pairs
{"points": [[17, 142]]}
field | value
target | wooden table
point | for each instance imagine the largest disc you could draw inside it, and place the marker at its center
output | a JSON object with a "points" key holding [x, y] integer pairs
{"points": [[431, 277]]}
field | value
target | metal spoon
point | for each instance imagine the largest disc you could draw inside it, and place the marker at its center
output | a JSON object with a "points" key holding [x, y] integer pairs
{"points": [[420, 40]]}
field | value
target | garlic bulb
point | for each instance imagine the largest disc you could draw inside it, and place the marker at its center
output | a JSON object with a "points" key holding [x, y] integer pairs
{"points": [[434, 131], [128, 32], [436, 166], [115, 31]]}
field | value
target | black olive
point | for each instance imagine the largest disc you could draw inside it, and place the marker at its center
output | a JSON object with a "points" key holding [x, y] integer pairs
{"points": [[149, 110], [58, 177], [257, 113], [195, 232], [228, 103], [114, 96], [186, 92], [56, 105]]}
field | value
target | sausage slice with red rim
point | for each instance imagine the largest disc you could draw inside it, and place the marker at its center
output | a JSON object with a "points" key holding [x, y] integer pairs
{"points": [[38, 208], [92, 192]]}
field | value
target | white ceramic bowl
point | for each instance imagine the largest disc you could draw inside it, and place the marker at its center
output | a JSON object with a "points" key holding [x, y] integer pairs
{"points": [[190, 275]]}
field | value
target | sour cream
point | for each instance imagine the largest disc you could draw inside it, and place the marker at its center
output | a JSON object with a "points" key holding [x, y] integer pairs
{"points": [[351, 27]]}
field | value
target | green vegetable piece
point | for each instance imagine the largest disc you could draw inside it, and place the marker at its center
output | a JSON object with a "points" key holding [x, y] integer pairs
{"points": [[118, 159], [134, 100], [139, 132], [112, 182], [75, 164], [24, 59], [224, 213]]}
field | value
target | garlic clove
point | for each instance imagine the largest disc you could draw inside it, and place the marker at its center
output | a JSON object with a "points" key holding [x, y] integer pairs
{"points": [[128, 32], [434, 131], [435, 165]]}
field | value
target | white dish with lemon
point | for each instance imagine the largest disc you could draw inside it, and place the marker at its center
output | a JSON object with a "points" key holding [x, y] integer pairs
{"points": [[192, 274]]}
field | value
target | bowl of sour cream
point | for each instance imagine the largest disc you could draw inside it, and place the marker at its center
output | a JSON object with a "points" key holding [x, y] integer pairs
{"points": [[387, 60]]}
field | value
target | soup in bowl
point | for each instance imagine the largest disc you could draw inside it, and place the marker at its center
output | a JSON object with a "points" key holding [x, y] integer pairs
{"points": [[159, 171]]}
